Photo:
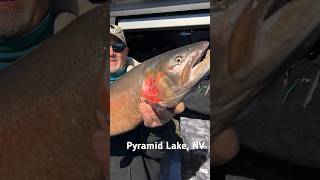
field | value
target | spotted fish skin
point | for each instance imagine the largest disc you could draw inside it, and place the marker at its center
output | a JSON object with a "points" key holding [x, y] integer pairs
{"points": [[49, 104]]}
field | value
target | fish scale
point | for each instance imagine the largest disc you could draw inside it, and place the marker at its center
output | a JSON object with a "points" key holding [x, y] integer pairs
{"points": [[49, 102]]}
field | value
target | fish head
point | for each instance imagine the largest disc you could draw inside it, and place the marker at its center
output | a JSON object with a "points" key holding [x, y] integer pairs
{"points": [[171, 75]]}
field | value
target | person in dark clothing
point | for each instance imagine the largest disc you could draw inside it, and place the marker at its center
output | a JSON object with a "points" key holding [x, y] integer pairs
{"points": [[284, 120], [281, 127], [126, 164], [195, 128]]}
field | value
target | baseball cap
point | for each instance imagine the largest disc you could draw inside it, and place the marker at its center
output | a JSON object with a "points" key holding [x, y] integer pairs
{"points": [[117, 32]]}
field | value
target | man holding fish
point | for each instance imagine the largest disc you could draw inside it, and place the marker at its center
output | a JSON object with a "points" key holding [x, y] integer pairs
{"points": [[123, 161]]}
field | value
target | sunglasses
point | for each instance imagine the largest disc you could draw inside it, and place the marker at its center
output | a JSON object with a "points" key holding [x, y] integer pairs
{"points": [[118, 47]]}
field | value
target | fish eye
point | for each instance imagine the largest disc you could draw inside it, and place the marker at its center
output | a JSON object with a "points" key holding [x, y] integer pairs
{"points": [[178, 59]]}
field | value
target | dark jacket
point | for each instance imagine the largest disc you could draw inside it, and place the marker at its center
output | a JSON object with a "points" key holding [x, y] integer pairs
{"points": [[282, 123], [195, 127], [141, 164]]}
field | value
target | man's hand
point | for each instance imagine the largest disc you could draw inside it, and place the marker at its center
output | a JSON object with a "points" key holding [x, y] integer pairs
{"points": [[162, 115]]}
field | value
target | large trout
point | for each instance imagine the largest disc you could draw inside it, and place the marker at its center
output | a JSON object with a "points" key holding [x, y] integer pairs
{"points": [[162, 81], [48, 105], [252, 40]]}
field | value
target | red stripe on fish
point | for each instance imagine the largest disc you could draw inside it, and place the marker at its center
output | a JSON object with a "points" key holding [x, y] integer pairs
{"points": [[150, 90]]}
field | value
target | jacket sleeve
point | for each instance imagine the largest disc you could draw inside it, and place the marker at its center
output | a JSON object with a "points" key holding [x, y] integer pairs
{"points": [[163, 134]]}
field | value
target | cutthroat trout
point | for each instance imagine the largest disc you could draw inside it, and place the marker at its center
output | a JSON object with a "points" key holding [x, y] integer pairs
{"points": [[252, 40], [162, 81], [48, 105]]}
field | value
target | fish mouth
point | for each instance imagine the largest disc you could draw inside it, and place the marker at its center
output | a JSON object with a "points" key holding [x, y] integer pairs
{"points": [[198, 65]]}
